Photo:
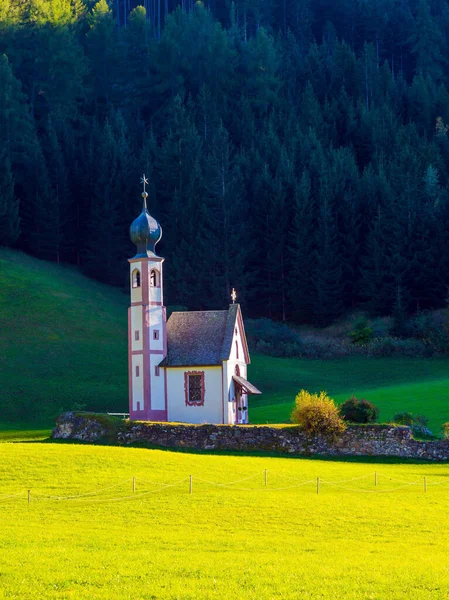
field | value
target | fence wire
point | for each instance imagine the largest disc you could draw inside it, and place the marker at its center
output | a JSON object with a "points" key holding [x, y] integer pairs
{"points": [[263, 483]]}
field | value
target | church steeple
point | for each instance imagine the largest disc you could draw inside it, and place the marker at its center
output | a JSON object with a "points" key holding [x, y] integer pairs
{"points": [[145, 231], [147, 338]]}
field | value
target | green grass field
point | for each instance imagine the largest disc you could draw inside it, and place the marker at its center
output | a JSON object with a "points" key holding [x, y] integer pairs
{"points": [[63, 345], [63, 341], [235, 541], [393, 384]]}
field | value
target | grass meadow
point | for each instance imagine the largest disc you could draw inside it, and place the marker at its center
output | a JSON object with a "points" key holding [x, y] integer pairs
{"points": [[242, 540], [394, 384]]}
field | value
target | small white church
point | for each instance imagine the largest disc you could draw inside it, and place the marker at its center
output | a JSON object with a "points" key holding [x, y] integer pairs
{"points": [[191, 368]]}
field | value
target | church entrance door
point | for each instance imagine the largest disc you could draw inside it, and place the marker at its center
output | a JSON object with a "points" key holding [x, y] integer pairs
{"points": [[239, 405]]}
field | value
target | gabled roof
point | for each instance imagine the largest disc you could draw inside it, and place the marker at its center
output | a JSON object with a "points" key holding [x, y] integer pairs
{"points": [[204, 338]]}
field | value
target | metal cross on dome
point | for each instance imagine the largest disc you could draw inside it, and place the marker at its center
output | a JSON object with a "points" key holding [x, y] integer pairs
{"points": [[234, 296], [144, 181]]}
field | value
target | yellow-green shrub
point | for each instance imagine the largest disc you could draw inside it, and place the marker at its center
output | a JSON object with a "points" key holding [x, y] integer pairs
{"points": [[317, 414]]}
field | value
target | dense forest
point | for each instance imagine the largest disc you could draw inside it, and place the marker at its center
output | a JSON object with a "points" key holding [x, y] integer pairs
{"points": [[296, 149]]}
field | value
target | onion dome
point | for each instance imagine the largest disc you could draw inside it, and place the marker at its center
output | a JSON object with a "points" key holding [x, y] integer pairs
{"points": [[145, 232]]}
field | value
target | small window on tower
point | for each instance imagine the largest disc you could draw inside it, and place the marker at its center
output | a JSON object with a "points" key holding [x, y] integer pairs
{"points": [[137, 371], [136, 335], [157, 370], [236, 349], [136, 278], [154, 278], [156, 334]]}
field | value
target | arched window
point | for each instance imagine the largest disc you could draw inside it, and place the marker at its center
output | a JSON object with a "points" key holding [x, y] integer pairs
{"points": [[136, 278], [236, 349], [237, 370], [154, 278]]}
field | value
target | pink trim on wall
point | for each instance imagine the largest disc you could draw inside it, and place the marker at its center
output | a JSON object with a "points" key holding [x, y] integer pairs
{"points": [[166, 392], [223, 420], [157, 415], [186, 388], [243, 337], [154, 303], [164, 330], [146, 360], [160, 352], [138, 415], [130, 368]]}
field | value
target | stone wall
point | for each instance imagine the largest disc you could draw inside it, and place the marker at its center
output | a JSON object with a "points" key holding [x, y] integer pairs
{"points": [[371, 440]]}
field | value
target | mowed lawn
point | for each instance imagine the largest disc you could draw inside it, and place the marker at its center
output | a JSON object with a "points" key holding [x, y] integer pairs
{"points": [[393, 384], [249, 542]]}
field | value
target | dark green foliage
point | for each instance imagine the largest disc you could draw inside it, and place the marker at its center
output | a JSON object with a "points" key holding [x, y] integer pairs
{"points": [[9, 206], [296, 150], [359, 411], [418, 423], [272, 338], [362, 333]]}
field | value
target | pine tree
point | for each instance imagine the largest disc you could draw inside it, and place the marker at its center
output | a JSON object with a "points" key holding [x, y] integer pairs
{"points": [[302, 246], [9, 205]]}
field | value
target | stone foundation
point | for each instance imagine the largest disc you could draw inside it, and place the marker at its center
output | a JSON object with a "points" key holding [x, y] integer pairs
{"points": [[369, 440]]}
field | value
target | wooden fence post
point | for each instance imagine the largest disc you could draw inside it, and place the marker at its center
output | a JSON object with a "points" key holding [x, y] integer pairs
{"points": [[191, 484], [134, 485], [265, 473]]}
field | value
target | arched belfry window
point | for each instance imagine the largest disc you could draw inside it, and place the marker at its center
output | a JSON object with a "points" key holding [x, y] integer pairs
{"points": [[154, 278], [236, 349], [237, 370], [136, 278]]}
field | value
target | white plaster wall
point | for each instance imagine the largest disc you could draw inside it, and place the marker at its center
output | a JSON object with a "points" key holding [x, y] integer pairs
{"points": [[136, 325], [211, 412], [230, 371], [156, 323], [157, 384], [137, 382], [136, 293]]}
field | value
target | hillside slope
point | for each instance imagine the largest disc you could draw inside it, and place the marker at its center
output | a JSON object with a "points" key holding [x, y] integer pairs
{"points": [[63, 341], [63, 345]]}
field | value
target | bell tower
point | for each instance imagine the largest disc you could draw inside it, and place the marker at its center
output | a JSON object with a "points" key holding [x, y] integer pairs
{"points": [[147, 331]]}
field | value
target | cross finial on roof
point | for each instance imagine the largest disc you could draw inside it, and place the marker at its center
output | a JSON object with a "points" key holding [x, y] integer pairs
{"points": [[144, 181], [234, 296]]}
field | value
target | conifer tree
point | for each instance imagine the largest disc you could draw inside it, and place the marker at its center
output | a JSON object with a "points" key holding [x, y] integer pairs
{"points": [[9, 206]]}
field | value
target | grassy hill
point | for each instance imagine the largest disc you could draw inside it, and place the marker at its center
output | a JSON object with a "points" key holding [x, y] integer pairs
{"points": [[63, 344], [86, 535], [63, 340], [420, 386]]}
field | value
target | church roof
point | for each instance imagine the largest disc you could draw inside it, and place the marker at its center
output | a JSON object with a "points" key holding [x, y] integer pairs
{"points": [[200, 338]]}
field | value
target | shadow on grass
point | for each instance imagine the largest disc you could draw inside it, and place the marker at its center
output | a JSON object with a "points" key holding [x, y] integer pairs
{"points": [[242, 453]]}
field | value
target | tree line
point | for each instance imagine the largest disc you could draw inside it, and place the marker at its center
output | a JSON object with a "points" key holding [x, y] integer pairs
{"points": [[297, 150]]}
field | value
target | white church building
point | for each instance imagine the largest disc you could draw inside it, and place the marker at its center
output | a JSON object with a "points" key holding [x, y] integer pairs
{"points": [[191, 368]]}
